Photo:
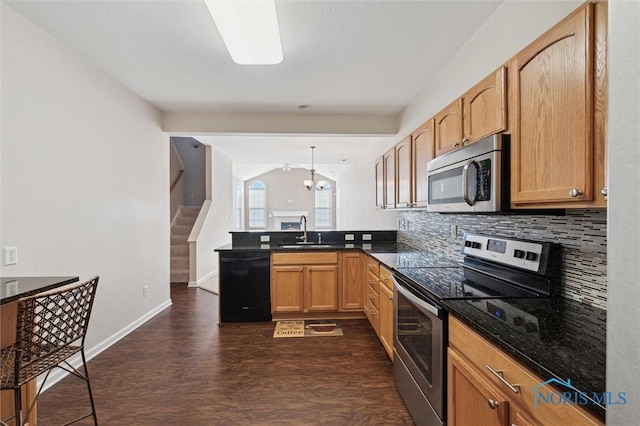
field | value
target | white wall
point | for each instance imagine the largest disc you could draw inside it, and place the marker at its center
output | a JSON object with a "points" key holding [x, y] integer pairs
{"points": [[510, 28], [623, 317], [217, 216], [175, 168], [356, 198], [85, 172], [192, 154]]}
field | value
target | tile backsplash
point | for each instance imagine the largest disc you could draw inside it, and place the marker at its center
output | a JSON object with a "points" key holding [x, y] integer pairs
{"points": [[582, 235]]}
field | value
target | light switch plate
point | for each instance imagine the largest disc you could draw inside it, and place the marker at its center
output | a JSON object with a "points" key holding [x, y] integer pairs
{"points": [[366, 237], [348, 237], [265, 238]]}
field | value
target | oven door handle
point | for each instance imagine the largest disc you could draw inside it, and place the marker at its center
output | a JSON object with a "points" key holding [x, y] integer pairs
{"points": [[435, 310]]}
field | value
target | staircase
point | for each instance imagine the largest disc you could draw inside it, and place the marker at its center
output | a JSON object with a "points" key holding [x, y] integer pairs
{"points": [[179, 247]]}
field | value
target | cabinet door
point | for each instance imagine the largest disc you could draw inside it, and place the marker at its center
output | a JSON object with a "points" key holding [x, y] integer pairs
{"points": [[386, 319], [321, 288], [448, 123], [379, 171], [403, 173], [389, 160], [422, 152], [352, 285], [287, 289], [552, 133], [471, 400], [484, 107]]}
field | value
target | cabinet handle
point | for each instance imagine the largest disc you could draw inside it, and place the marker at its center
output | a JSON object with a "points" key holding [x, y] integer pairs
{"points": [[575, 193], [372, 312], [604, 191], [383, 278], [455, 144], [492, 404], [390, 297], [464, 141], [498, 373], [309, 269], [300, 270], [371, 282], [372, 296]]}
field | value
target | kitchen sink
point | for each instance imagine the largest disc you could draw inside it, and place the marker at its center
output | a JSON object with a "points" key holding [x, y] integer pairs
{"points": [[302, 246]]}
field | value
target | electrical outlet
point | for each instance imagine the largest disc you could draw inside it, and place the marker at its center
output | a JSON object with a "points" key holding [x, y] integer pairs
{"points": [[145, 291], [10, 255], [366, 237], [348, 237], [265, 238]]}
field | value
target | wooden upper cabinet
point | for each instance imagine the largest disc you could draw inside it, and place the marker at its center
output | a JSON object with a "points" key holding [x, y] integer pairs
{"points": [[389, 163], [422, 149], [552, 143], [448, 125], [404, 183], [484, 107], [379, 176]]}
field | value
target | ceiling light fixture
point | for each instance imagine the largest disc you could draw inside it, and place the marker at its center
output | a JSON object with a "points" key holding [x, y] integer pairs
{"points": [[311, 184], [249, 29]]}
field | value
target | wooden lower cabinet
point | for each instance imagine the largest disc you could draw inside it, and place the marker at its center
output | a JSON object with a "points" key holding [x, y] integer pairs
{"points": [[477, 396], [386, 319], [471, 400], [372, 307], [352, 286], [305, 282]]}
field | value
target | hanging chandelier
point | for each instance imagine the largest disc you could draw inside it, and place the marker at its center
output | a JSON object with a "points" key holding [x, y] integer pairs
{"points": [[311, 184]]}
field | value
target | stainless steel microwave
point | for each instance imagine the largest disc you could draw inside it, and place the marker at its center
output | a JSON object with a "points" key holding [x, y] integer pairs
{"points": [[472, 179]]}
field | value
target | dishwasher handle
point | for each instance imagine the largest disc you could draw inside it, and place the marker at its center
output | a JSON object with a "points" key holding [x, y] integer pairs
{"points": [[421, 303]]}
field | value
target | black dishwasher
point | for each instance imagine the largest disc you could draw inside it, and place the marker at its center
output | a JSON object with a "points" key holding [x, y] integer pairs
{"points": [[245, 286]]}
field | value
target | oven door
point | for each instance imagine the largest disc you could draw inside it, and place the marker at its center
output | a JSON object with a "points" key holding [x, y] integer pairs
{"points": [[419, 346]]}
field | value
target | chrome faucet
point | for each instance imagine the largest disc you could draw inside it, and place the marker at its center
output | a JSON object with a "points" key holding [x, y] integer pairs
{"points": [[303, 221]]}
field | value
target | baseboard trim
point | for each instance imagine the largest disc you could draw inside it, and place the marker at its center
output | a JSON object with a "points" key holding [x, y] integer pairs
{"points": [[203, 279], [76, 361]]}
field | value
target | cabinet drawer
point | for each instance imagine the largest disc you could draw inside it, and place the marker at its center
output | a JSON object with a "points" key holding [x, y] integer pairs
{"points": [[373, 266], [313, 258], [373, 314], [373, 296], [484, 355], [372, 280], [385, 278]]}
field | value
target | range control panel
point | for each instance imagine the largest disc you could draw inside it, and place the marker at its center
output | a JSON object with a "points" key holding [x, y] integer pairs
{"points": [[523, 254]]}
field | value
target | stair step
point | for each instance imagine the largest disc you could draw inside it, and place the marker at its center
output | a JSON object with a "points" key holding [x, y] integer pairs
{"points": [[179, 240], [189, 212], [179, 262], [180, 250], [181, 229]]}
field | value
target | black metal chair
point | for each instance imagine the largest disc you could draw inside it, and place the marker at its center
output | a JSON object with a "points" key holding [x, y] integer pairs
{"points": [[47, 326]]}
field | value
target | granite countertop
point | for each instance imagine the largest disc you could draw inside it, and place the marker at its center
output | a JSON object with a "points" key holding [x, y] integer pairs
{"points": [[570, 343], [370, 247]]}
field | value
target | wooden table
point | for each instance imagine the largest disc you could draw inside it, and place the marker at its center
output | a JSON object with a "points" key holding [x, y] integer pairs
{"points": [[11, 290]]}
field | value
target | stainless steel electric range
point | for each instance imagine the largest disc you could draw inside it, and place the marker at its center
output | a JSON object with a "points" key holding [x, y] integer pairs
{"points": [[493, 268]]}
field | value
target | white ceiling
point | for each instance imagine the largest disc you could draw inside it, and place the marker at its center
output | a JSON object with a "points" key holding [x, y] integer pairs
{"points": [[340, 56]]}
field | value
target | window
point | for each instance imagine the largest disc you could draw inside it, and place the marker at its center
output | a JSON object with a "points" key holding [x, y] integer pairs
{"points": [[324, 207], [257, 205]]}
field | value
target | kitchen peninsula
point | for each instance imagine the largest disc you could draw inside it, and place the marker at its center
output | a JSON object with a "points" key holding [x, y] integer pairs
{"points": [[11, 290]]}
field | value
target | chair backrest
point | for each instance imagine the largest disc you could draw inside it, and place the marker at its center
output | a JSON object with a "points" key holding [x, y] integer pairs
{"points": [[51, 321]]}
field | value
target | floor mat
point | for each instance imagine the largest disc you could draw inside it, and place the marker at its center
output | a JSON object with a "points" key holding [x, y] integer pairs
{"points": [[308, 328]]}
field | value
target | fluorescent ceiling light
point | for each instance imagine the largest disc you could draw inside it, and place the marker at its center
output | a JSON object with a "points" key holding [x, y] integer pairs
{"points": [[249, 29]]}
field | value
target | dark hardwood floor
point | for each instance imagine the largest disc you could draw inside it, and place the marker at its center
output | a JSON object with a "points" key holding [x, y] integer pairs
{"points": [[181, 368]]}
